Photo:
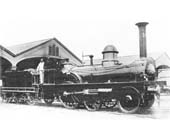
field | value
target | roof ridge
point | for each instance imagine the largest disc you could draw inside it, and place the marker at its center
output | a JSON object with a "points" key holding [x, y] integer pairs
{"points": [[30, 42], [34, 46]]}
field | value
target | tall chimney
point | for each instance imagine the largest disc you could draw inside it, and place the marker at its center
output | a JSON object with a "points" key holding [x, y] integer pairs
{"points": [[142, 38], [91, 59]]}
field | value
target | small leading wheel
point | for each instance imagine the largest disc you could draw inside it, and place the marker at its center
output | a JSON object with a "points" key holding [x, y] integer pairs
{"points": [[148, 101], [48, 101], [129, 101], [92, 105], [69, 101]]}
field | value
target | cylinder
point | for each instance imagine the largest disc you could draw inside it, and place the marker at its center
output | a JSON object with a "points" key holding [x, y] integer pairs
{"points": [[142, 39]]}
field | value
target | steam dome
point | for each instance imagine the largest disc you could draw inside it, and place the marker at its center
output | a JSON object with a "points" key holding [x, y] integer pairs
{"points": [[109, 55]]}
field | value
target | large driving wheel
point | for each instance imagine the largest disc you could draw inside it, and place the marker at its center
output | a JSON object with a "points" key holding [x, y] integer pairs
{"points": [[69, 101], [74, 78], [129, 101]]}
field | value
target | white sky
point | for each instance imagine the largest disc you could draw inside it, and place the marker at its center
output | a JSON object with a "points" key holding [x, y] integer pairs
{"points": [[87, 25]]}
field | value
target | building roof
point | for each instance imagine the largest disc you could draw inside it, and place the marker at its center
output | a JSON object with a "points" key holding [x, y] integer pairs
{"points": [[17, 50], [6, 50]]}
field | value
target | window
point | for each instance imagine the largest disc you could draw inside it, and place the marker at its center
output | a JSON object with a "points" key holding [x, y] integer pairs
{"points": [[57, 51], [50, 50], [53, 50]]}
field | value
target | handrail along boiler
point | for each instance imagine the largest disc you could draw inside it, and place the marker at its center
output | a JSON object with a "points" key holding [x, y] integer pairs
{"points": [[110, 84]]}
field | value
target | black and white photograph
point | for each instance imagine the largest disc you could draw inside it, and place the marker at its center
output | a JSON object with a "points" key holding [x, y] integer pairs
{"points": [[84, 60]]}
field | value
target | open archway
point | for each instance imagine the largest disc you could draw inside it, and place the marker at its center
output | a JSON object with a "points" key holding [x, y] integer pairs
{"points": [[163, 67], [33, 62], [28, 63]]}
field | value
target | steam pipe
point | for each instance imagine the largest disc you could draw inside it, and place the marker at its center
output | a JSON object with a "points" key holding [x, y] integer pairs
{"points": [[91, 58]]}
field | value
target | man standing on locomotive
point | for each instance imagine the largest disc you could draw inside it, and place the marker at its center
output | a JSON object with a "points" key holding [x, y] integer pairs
{"points": [[40, 69]]}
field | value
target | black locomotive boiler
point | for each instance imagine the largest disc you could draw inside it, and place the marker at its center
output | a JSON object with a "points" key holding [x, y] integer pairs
{"points": [[110, 84]]}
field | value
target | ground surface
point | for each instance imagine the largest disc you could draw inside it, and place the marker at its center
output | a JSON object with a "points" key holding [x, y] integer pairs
{"points": [[57, 112]]}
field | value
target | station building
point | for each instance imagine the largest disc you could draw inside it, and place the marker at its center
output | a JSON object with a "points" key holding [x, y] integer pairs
{"points": [[28, 55]]}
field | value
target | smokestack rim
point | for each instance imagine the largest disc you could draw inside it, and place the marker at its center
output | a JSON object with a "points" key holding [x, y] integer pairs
{"points": [[140, 24]]}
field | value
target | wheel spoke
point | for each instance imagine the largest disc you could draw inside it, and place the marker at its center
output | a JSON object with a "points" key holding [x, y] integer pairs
{"points": [[92, 105]]}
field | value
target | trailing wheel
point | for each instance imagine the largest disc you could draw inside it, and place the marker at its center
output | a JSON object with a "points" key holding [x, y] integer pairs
{"points": [[13, 98], [4, 98], [69, 101], [30, 99], [129, 101]]}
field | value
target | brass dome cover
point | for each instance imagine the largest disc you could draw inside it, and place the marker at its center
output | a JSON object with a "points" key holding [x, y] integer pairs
{"points": [[110, 48]]}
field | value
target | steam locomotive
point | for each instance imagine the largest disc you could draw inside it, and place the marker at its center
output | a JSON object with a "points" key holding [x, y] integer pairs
{"points": [[128, 86]]}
